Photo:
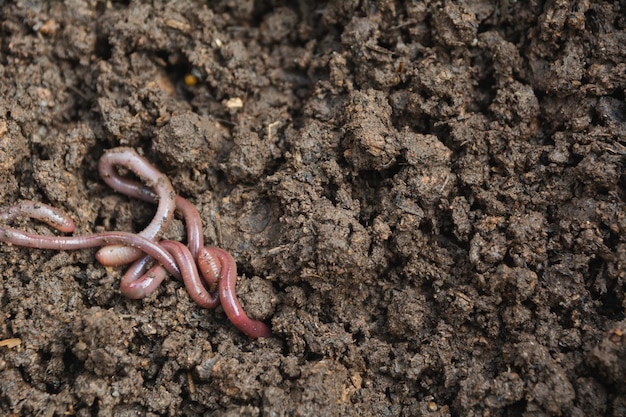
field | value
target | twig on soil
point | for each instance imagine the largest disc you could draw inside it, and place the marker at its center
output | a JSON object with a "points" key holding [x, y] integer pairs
{"points": [[10, 343]]}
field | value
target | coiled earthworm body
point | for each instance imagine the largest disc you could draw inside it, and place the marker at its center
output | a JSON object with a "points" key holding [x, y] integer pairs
{"points": [[209, 274], [137, 283], [227, 295], [130, 188], [194, 285], [128, 158]]}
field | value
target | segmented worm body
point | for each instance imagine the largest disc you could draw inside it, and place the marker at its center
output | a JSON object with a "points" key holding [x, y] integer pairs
{"points": [[28, 240], [223, 262], [208, 273], [165, 195], [42, 212]]}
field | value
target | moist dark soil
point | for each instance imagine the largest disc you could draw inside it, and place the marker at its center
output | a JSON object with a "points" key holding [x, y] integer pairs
{"points": [[426, 201]]}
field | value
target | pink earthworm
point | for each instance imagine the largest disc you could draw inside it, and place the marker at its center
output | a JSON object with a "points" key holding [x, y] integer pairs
{"points": [[217, 266], [165, 195], [137, 283], [195, 238], [130, 188], [182, 265], [39, 211], [29, 240], [216, 283], [189, 271], [60, 221], [218, 269], [210, 268], [211, 259]]}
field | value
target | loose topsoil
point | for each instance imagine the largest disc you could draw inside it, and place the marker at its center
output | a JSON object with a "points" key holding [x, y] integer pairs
{"points": [[425, 199]]}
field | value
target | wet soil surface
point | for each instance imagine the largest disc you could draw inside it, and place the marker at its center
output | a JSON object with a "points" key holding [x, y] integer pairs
{"points": [[426, 201]]}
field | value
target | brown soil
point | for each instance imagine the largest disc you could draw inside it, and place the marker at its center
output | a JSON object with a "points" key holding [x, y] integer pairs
{"points": [[426, 200]]}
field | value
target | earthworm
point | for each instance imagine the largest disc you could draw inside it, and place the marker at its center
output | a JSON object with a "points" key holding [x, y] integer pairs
{"points": [[29, 240], [216, 283], [211, 262], [175, 258], [165, 196], [39, 211], [191, 279], [130, 188], [195, 238], [137, 283], [209, 267], [131, 286], [223, 261]]}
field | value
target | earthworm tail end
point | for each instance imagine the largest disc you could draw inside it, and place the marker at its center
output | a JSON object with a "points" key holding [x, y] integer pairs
{"points": [[228, 296], [31, 209]]}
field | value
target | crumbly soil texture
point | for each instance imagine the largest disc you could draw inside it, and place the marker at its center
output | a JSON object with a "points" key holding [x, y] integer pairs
{"points": [[425, 199]]}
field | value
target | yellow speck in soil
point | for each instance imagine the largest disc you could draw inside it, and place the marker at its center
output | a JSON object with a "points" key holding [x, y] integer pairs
{"points": [[191, 80]]}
